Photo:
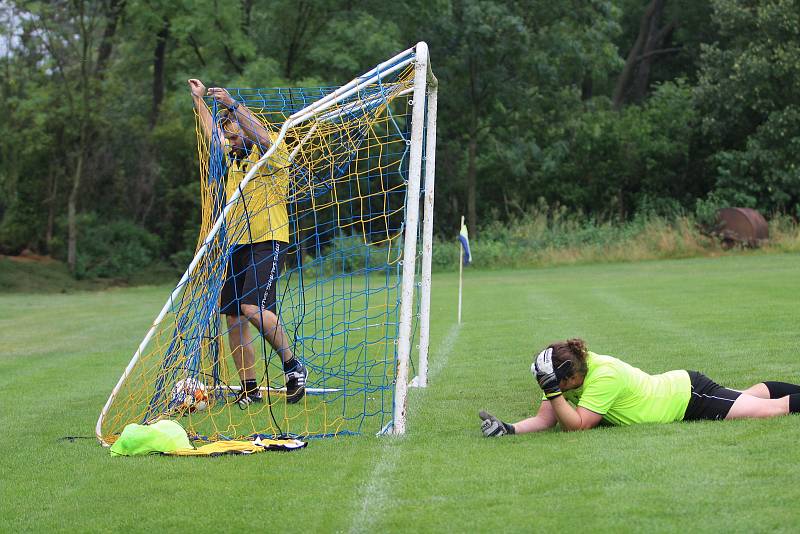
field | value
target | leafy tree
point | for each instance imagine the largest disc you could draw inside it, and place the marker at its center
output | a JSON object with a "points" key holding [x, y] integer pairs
{"points": [[71, 42], [748, 94], [617, 161], [538, 100]]}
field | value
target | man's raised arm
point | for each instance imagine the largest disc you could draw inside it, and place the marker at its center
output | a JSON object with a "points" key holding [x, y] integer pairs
{"points": [[253, 128], [198, 91]]}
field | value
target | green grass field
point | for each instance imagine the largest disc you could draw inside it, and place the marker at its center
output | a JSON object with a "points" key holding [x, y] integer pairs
{"points": [[735, 318]]}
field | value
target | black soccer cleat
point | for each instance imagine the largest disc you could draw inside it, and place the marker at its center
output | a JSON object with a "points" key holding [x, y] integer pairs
{"points": [[296, 384], [245, 398]]}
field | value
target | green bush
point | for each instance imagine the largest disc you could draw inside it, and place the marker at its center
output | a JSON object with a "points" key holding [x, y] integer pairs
{"points": [[14, 236], [619, 162], [116, 249], [180, 260]]}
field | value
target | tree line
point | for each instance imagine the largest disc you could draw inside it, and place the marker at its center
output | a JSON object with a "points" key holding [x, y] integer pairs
{"points": [[609, 108]]}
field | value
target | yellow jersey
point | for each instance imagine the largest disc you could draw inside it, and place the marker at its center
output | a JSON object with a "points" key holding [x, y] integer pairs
{"points": [[264, 196]]}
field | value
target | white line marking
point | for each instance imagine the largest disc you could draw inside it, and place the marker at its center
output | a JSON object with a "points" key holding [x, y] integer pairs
{"points": [[375, 496]]}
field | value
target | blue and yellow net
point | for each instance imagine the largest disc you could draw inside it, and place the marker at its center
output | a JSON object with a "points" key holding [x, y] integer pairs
{"points": [[333, 193]]}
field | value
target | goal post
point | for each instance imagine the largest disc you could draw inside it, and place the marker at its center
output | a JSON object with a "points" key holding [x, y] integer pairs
{"points": [[349, 167], [427, 230], [418, 131]]}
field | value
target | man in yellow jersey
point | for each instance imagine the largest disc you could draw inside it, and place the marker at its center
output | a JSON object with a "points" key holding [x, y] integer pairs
{"points": [[259, 225], [582, 389]]}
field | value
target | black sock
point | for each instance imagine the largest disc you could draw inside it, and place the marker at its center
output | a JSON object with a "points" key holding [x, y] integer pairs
{"points": [[794, 403], [781, 389], [250, 386], [509, 428], [290, 365]]}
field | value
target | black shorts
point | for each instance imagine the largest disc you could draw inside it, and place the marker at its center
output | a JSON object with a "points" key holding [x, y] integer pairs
{"points": [[709, 400], [252, 276]]}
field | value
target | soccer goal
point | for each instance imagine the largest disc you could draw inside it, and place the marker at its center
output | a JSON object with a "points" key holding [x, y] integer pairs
{"points": [[345, 177]]}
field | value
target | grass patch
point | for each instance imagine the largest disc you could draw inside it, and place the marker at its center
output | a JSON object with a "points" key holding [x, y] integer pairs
{"points": [[733, 317], [40, 275], [19, 274]]}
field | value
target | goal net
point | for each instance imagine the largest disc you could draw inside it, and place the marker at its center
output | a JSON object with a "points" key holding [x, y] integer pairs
{"points": [[328, 192]]}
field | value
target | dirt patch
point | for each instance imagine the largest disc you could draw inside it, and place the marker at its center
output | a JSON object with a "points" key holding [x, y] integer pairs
{"points": [[26, 256]]}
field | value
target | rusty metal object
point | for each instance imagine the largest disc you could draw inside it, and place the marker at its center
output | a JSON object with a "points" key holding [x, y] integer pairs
{"points": [[741, 226]]}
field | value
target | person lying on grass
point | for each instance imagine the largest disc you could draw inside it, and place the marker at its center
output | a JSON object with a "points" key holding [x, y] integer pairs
{"points": [[582, 389]]}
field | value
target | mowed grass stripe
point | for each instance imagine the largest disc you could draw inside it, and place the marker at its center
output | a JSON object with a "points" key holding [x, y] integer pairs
{"points": [[378, 492]]}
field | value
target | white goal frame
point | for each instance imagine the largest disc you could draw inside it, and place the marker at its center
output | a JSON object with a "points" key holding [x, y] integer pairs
{"points": [[423, 148]]}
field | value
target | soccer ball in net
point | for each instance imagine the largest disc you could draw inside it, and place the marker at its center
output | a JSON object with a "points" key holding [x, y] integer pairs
{"points": [[189, 395]]}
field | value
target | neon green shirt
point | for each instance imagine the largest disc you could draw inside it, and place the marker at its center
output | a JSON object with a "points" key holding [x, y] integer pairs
{"points": [[625, 395]]}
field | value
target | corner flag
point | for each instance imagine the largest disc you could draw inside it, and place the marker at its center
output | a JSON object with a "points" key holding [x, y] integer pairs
{"points": [[466, 259], [463, 237]]}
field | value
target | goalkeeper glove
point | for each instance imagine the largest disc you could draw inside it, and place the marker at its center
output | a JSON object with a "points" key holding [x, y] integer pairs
{"points": [[492, 427], [547, 377]]}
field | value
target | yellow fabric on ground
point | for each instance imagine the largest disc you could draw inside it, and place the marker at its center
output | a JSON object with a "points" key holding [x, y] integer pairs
{"points": [[241, 447]]}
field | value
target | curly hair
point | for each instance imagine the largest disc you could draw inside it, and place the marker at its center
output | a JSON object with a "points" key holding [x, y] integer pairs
{"points": [[571, 349]]}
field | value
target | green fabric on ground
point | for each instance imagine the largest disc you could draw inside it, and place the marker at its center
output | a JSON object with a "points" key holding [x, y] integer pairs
{"points": [[162, 436]]}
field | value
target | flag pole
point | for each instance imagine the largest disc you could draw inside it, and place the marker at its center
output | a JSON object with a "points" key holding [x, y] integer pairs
{"points": [[460, 272]]}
